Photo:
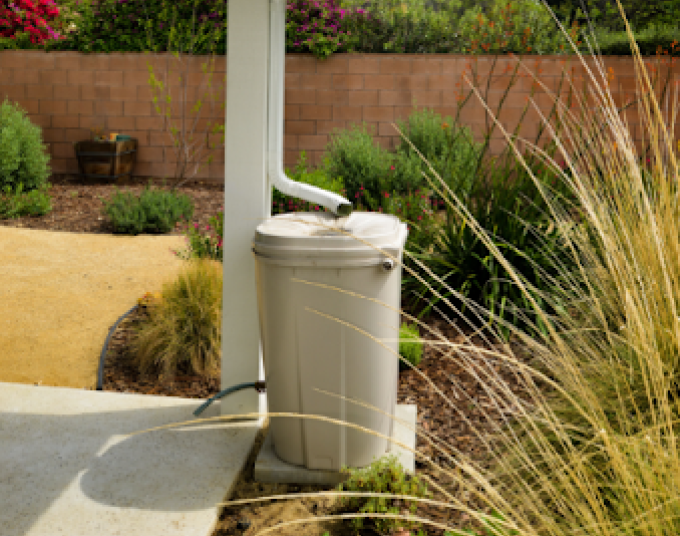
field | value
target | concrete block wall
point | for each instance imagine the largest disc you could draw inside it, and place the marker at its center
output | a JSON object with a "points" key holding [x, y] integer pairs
{"points": [[69, 93]]}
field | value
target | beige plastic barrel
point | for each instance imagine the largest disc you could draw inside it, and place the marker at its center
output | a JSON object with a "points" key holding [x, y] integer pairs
{"points": [[304, 350]]}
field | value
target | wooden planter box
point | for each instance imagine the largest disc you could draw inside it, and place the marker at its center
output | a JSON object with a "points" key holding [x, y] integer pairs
{"points": [[106, 159]]}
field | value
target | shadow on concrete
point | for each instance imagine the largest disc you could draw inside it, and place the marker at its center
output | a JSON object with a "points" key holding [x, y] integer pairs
{"points": [[80, 461]]}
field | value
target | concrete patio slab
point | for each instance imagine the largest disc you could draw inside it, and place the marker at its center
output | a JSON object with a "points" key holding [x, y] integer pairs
{"points": [[68, 467], [269, 468]]}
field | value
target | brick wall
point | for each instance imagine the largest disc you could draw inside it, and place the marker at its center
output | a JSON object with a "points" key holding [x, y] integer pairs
{"points": [[69, 93]]}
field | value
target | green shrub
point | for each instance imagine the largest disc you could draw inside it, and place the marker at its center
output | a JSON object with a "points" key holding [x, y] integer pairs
{"points": [[519, 26], [33, 203], [453, 26], [385, 475], [155, 211], [411, 351], [385, 26], [353, 156], [393, 30], [605, 13], [282, 203], [7, 43], [22, 154], [143, 25], [447, 145], [405, 174], [510, 207], [649, 41], [427, 130], [204, 245], [184, 329], [413, 208], [506, 201]]}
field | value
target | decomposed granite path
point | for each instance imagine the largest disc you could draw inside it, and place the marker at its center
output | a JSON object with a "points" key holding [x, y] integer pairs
{"points": [[61, 292]]}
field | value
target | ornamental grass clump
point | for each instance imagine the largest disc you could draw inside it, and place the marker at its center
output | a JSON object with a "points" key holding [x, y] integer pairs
{"points": [[183, 332], [581, 432]]}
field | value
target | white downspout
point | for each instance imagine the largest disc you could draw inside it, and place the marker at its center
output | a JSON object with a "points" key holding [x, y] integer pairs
{"points": [[277, 72]]}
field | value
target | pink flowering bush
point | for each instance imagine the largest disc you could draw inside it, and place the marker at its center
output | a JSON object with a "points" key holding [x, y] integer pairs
{"points": [[318, 26], [208, 245], [26, 17]]}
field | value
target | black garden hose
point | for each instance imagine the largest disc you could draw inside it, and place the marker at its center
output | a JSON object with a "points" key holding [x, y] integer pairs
{"points": [[260, 386]]}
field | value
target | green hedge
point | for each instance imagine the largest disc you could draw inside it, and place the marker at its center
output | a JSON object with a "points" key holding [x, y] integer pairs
{"points": [[386, 26], [650, 41]]}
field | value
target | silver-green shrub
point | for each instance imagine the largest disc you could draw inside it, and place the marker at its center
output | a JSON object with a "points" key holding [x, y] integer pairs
{"points": [[22, 154], [445, 143], [155, 211], [354, 156]]}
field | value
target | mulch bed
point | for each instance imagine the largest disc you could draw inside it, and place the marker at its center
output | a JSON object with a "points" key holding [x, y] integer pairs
{"points": [[82, 212], [77, 207]]}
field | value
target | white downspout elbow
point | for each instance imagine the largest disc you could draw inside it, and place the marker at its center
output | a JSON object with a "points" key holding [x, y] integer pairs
{"points": [[277, 60]]}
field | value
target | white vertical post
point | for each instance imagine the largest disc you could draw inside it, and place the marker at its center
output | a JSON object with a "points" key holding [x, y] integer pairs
{"points": [[246, 197]]}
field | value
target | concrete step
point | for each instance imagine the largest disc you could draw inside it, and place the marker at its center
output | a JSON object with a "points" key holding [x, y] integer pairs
{"points": [[69, 466]]}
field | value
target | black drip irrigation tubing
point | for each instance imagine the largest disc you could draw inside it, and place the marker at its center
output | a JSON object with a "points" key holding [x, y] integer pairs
{"points": [[260, 386], [102, 357]]}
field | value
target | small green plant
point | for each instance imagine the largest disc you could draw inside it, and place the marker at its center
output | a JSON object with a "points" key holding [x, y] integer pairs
{"points": [[155, 211], [17, 204], [23, 159], [183, 332], [204, 245], [410, 347], [385, 475]]}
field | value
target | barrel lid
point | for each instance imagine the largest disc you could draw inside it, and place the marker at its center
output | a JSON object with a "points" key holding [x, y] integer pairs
{"points": [[322, 231]]}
